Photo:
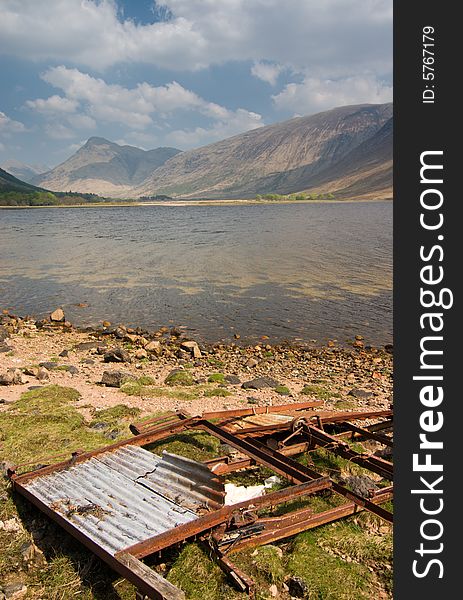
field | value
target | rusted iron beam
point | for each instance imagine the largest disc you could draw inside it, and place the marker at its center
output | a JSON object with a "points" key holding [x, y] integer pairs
{"points": [[378, 465], [156, 422], [223, 515], [260, 410], [239, 578], [298, 523], [144, 579], [365, 433]]}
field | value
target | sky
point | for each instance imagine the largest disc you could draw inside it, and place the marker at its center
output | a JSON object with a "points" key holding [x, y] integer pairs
{"points": [[180, 73]]}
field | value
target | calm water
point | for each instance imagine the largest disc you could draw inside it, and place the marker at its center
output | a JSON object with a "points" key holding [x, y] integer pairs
{"points": [[294, 271]]}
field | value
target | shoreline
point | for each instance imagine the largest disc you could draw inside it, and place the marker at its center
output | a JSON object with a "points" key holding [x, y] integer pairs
{"points": [[212, 376], [173, 203]]}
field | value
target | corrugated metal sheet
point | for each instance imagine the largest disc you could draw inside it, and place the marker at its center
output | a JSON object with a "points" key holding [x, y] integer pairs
{"points": [[187, 482], [112, 499]]}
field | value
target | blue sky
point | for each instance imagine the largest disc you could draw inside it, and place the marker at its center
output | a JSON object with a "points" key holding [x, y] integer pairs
{"points": [[180, 73]]}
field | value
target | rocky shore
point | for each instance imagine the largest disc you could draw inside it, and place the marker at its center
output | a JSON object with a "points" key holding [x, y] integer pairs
{"points": [[163, 370]]}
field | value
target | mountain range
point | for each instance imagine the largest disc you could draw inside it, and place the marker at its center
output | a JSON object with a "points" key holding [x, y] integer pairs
{"points": [[346, 151], [22, 171]]}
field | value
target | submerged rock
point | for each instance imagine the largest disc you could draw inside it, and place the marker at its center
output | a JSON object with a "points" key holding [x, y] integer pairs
{"points": [[57, 316]]}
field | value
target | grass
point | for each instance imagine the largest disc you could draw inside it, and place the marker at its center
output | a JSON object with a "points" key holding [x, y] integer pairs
{"points": [[217, 392], [283, 390], [137, 388], [216, 378], [319, 391], [180, 378], [346, 560]]}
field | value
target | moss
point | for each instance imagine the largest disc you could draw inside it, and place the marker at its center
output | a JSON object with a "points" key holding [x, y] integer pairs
{"points": [[215, 362], [199, 577], [116, 416], [328, 577], [44, 423], [319, 392], [197, 445], [180, 378], [146, 380], [216, 378], [133, 388], [268, 562], [217, 392], [283, 390]]}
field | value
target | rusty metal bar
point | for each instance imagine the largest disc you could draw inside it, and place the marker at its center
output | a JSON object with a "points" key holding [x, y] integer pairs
{"points": [[208, 521], [337, 487], [378, 465], [304, 522], [365, 433]]}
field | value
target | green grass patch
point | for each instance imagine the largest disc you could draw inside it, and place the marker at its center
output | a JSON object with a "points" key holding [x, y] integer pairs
{"points": [[133, 388], [217, 392], [180, 378], [319, 391], [216, 378], [283, 390], [44, 423], [197, 445]]}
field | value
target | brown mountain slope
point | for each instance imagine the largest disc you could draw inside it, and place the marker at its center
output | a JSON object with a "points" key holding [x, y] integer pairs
{"points": [[105, 168], [278, 158]]}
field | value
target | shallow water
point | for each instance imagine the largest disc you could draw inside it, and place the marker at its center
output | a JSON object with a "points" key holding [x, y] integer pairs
{"points": [[292, 271]]}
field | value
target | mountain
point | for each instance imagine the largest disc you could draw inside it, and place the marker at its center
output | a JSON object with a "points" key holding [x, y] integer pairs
{"points": [[10, 183], [286, 157], [365, 172], [22, 171], [105, 168]]}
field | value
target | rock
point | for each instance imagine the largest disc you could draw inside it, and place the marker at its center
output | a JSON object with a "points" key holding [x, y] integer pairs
{"points": [[12, 377], [252, 400], [14, 590], [49, 365], [236, 336], [117, 355], [4, 347], [120, 333], [389, 348], [179, 377], [88, 361], [64, 353], [154, 346], [297, 587], [72, 369], [233, 379], [361, 485], [83, 346], [3, 333], [32, 555], [115, 378], [260, 383], [42, 374], [360, 394], [106, 323], [192, 347], [273, 591], [11, 525], [141, 353], [99, 426], [57, 316], [251, 362]]}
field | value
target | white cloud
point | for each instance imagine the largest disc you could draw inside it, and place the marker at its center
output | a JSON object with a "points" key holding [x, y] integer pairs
{"points": [[314, 95], [144, 107], [8, 125], [346, 35], [267, 72], [53, 104], [58, 131]]}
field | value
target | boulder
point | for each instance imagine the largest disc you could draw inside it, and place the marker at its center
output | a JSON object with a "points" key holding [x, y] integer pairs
{"points": [[57, 316], [251, 362], [11, 377], [233, 379], [297, 587], [115, 378], [154, 346], [360, 394], [191, 347], [260, 383], [118, 355]]}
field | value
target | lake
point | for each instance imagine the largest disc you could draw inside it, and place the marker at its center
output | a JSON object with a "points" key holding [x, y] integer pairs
{"points": [[299, 272]]}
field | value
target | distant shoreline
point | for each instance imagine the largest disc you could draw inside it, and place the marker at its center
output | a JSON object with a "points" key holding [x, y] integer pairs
{"points": [[237, 202]]}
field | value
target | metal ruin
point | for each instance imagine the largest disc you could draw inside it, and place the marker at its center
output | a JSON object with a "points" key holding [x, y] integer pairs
{"points": [[125, 503]]}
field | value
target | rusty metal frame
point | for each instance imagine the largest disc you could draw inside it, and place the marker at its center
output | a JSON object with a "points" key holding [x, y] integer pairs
{"points": [[306, 432]]}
